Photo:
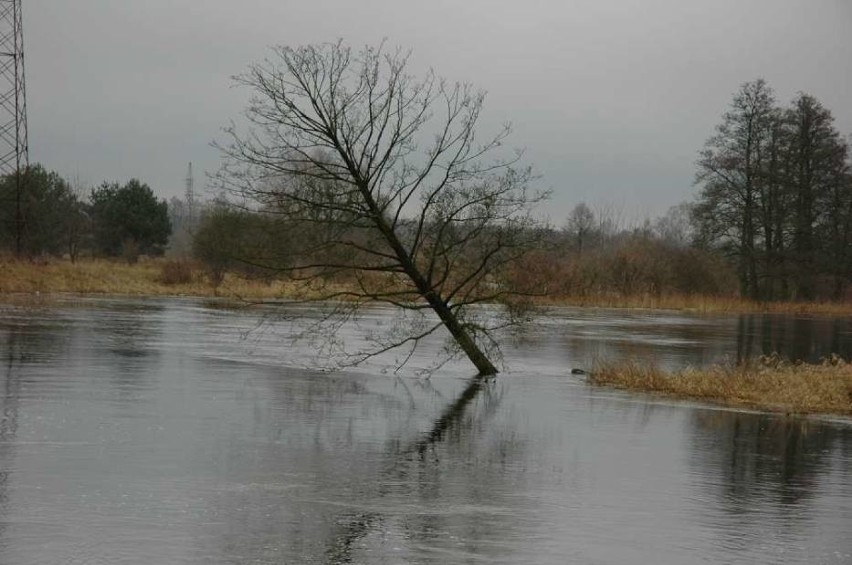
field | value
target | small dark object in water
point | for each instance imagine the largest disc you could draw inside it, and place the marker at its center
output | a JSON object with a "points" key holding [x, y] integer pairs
{"points": [[579, 372]]}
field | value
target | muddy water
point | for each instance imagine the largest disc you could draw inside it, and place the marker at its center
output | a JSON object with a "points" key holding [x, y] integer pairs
{"points": [[166, 431]]}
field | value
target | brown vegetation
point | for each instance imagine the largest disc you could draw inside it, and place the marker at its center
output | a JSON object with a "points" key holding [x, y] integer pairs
{"points": [[150, 277], [769, 384], [637, 265], [642, 271], [177, 271], [161, 277]]}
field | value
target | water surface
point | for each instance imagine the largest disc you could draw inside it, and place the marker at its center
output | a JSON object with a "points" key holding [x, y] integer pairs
{"points": [[165, 431]]}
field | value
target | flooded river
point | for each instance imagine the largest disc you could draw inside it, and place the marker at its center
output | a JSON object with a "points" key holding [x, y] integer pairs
{"points": [[166, 431]]}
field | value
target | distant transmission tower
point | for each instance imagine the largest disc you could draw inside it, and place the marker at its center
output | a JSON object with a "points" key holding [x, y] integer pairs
{"points": [[14, 149], [190, 197]]}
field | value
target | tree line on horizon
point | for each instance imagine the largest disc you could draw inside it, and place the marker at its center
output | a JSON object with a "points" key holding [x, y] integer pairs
{"points": [[772, 220], [43, 215]]}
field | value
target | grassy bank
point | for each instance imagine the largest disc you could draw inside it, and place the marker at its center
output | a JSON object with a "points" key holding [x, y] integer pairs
{"points": [[157, 277], [152, 277], [769, 385]]}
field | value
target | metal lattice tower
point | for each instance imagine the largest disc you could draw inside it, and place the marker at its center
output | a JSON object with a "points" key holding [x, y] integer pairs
{"points": [[14, 147], [14, 150], [190, 197]]}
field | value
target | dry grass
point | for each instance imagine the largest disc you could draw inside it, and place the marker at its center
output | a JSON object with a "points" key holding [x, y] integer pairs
{"points": [[151, 277], [769, 384], [162, 277], [701, 304], [178, 271]]}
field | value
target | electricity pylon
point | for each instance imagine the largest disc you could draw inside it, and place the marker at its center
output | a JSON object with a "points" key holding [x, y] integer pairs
{"points": [[190, 198], [14, 148]]}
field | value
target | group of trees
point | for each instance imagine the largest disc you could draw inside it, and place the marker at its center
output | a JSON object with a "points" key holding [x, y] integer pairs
{"points": [[40, 213], [378, 178], [775, 200], [776, 196], [597, 254], [55, 219]]}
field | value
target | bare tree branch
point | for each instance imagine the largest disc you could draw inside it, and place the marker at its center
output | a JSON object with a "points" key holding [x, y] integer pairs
{"points": [[336, 147]]}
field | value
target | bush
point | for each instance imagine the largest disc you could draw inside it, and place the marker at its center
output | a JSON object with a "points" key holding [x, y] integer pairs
{"points": [[628, 267], [251, 244]]}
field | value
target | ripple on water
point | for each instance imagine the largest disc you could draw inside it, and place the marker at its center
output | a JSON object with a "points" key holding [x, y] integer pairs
{"points": [[163, 431]]}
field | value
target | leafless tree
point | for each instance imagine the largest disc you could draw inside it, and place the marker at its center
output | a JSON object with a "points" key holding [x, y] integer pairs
{"points": [[675, 227], [383, 177], [819, 190], [730, 173], [775, 195], [580, 224]]}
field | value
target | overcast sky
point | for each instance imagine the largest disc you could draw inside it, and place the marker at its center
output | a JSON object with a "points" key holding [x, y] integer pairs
{"points": [[611, 99]]}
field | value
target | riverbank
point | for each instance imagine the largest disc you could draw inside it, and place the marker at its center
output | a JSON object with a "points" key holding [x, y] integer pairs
{"points": [[148, 277], [163, 277], [769, 384]]}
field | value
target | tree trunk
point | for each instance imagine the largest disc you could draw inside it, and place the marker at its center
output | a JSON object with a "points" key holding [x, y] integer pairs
{"points": [[424, 287], [462, 337]]}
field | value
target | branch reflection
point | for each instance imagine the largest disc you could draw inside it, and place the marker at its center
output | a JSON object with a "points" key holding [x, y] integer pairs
{"points": [[452, 426]]}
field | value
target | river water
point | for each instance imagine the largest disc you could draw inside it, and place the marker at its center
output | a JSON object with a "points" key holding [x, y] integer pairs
{"points": [[169, 431]]}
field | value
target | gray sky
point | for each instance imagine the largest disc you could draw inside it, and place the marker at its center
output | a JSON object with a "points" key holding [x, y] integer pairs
{"points": [[611, 99]]}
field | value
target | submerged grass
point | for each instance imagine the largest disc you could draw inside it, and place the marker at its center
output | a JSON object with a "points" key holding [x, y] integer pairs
{"points": [[702, 304], [769, 384]]}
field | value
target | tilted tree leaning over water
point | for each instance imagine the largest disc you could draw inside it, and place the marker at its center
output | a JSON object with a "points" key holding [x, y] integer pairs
{"points": [[380, 179]]}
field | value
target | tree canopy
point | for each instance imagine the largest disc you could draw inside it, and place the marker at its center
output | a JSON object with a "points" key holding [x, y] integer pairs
{"points": [[129, 220], [49, 212]]}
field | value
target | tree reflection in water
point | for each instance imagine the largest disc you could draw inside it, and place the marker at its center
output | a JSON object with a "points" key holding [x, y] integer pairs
{"points": [[793, 337], [762, 458], [413, 462], [770, 472]]}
